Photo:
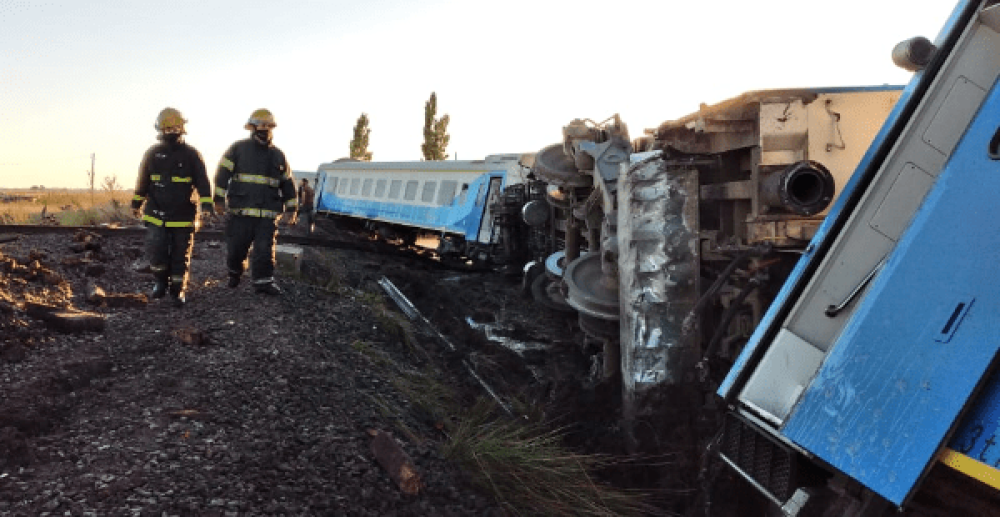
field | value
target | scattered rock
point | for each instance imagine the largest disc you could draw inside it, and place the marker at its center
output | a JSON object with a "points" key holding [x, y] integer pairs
{"points": [[94, 295], [141, 266], [192, 337]]}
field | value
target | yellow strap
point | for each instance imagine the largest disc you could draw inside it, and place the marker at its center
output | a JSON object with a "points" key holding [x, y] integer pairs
{"points": [[291, 203], [258, 179], [154, 177], [219, 191], [152, 219], [225, 162], [204, 200], [176, 179], [970, 467], [137, 197]]}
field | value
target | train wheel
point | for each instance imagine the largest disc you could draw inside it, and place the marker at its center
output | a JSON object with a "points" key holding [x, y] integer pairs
{"points": [[546, 292]]}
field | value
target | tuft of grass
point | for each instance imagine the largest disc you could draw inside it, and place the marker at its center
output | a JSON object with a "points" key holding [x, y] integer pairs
{"points": [[528, 471]]}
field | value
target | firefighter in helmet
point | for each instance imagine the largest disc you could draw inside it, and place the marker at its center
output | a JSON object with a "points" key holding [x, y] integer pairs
{"points": [[254, 186], [170, 173]]}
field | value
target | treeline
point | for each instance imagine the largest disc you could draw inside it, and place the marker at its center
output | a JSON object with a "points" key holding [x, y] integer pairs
{"points": [[436, 136]]}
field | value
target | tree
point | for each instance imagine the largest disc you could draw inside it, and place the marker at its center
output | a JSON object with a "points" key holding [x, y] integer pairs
{"points": [[435, 132], [359, 144]]}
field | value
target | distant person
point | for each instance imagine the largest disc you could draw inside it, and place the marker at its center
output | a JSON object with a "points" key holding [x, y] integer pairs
{"points": [[307, 195], [254, 184], [169, 174]]}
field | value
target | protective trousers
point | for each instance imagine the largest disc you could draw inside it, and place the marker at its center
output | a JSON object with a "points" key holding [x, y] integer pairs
{"points": [[241, 233], [306, 215], [169, 254]]}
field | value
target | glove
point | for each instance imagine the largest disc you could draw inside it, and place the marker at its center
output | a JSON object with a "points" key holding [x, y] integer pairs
{"points": [[220, 207]]}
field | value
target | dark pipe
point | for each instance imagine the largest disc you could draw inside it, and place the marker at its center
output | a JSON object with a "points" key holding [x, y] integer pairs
{"points": [[803, 188]]}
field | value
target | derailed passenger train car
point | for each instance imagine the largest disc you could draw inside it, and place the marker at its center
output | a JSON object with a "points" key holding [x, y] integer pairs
{"points": [[450, 200]]}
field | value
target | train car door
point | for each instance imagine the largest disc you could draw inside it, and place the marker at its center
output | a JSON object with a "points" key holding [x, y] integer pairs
{"points": [[485, 203]]}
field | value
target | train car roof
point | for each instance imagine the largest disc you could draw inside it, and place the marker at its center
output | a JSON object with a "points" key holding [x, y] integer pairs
{"points": [[739, 104], [491, 162]]}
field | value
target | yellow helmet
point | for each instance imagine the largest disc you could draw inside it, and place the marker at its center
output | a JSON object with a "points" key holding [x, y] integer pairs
{"points": [[170, 121], [260, 119]]}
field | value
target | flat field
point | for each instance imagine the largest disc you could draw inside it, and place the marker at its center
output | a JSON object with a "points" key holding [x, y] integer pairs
{"points": [[65, 207]]}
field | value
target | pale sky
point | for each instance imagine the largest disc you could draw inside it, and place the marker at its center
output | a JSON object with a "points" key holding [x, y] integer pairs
{"points": [[90, 77]]}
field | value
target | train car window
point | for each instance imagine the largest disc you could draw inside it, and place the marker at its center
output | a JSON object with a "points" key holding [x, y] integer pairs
{"points": [[379, 189], [463, 194], [331, 185], [427, 196], [343, 187], [447, 192], [394, 188], [355, 186], [366, 189], [411, 190]]}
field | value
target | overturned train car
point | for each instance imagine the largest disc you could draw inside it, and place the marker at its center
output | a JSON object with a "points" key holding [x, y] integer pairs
{"points": [[671, 247]]}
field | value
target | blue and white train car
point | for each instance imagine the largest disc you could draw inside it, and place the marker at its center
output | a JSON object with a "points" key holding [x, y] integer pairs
{"points": [[450, 199], [878, 358]]}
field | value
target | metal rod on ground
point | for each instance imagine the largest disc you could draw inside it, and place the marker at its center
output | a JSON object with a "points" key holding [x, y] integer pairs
{"points": [[411, 312]]}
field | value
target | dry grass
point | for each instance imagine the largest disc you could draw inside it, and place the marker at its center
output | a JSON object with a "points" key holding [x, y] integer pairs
{"points": [[528, 470], [67, 207]]}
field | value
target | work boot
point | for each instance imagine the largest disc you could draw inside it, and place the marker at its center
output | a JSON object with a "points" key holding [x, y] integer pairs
{"points": [[178, 296], [159, 288], [270, 288], [234, 280]]}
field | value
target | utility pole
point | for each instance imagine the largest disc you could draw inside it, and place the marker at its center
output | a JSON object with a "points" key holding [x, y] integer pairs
{"points": [[93, 157]]}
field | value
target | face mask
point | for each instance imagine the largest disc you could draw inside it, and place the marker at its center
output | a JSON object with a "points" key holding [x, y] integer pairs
{"points": [[262, 136], [171, 138]]}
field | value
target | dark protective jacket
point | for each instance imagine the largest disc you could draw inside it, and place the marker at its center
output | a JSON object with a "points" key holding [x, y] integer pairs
{"points": [[168, 176], [306, 196], [255, 180]]}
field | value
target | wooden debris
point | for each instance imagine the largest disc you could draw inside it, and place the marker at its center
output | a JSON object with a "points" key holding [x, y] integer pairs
{"points": [[126, 300], [396, 462], [68, 321]]}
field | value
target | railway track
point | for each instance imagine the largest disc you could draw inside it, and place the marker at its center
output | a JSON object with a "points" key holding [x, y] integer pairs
{"points": [[10, 232]]}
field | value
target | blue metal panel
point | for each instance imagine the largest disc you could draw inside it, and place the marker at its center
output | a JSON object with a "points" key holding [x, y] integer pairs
{"points": [[893, 385], [841, 208]]}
